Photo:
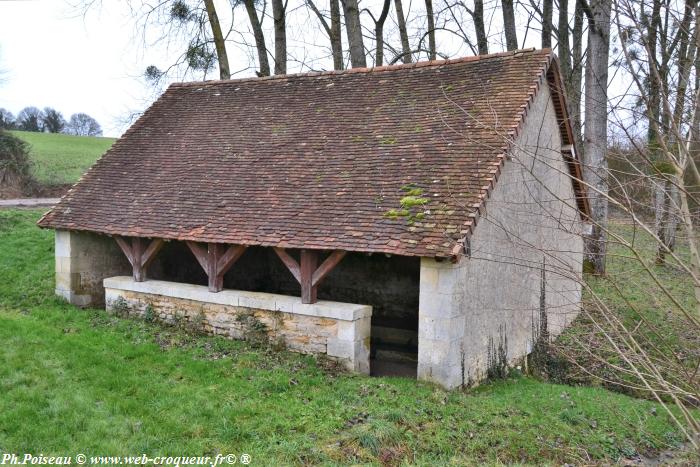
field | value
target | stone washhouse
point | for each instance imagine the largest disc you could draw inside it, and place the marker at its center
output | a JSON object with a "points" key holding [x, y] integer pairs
{"points": [[422, 219]]}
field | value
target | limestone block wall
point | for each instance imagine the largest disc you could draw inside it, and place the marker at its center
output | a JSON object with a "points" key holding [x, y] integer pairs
{"points": [[83, 261], [526, 246], [339, 330]]}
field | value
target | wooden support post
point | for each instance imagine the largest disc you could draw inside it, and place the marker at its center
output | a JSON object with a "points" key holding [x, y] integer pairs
{"points": [[307, 273], [307, 266], [138, 255], [216, 261], [216, 280]]}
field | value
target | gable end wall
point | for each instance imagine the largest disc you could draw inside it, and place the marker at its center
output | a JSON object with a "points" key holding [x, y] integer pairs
{"points": [[491, 299]]}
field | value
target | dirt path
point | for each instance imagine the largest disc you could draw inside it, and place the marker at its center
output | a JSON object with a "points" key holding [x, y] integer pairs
{"points": [[28, 202]]}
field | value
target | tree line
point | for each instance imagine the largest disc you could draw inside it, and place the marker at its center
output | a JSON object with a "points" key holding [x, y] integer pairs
{"points": [[49, 120]]}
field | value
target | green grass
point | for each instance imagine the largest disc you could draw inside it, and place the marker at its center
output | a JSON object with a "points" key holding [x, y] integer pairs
{"points": [[85, 381], [61, 159], [641, 305]]}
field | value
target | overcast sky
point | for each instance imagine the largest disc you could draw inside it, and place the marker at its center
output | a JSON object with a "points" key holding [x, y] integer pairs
{"points": [[55, 57]]}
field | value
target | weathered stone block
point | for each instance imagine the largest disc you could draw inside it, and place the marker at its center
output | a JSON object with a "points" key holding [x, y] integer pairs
{"points": [[339, 348], [442, 329], [439, 305], [429, 279]]}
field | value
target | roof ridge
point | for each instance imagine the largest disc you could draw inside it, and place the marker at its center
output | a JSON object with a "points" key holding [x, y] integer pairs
{"points": [[378, 69]]}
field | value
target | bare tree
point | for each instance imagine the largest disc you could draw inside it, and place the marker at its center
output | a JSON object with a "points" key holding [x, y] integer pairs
{"points": [[7, 120], [259, 37], [333, 30], [335, 34], [219, 42], [379, 32], [478, 17], [509, 24], [279, 17], [81, 124], [596, 129], [432, 47], [547, 12], [353, 27], [403, 33], [30, 119]]}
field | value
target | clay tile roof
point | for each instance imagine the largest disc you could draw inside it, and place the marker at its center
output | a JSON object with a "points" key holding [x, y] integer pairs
{"points": [[320, 161]]}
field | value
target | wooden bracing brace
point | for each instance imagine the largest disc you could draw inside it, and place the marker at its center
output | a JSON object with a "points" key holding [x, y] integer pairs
{"points": [[216, 259], [306, 271]]}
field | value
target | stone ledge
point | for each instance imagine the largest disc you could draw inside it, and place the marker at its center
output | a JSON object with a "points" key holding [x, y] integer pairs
{"points": [[259, 300]]}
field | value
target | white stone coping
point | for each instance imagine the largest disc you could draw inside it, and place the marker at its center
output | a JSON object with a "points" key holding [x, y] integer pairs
{"points": [[259, 300]]}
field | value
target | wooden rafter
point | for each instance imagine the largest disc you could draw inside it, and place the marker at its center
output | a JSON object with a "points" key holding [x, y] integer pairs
{"points": [[140, 256], [307, 272], [216, 260]]}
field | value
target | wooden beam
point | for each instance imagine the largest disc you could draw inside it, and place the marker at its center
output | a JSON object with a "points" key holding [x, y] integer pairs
{"points": [[230, 257], [307, 272], [308, 264], [199, 253], [139, 256], [216, 261], [150, 253], [290, 262], [126, 248], [327, 266]]}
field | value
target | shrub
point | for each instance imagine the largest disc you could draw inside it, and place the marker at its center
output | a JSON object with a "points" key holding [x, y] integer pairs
{"points": [[15, 166]]}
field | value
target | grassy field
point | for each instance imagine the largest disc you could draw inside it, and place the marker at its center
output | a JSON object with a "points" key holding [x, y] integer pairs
{"points": [[642, 306], [82, 381], [61, 159]]}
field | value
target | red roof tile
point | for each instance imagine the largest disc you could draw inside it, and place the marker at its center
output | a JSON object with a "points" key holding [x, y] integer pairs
{"points": [[316, 161]]}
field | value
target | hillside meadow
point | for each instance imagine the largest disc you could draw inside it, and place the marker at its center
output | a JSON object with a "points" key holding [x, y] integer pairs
{"points": [[60, 159]]}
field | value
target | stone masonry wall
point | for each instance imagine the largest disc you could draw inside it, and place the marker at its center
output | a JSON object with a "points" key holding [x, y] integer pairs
{"points": [[491, 299], [339, 330], [83, 261]]}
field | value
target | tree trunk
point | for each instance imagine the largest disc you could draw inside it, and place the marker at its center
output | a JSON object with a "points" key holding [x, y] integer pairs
{"points": [[509, 24], [403, 33], [653, 105], [354, 31], [478, 16], [596, 134], [278, 16], [662, 212], [336, 36], [333, 31], [547, 11], [666, 196], [219, 43], [379, 34], [574, 87], [259, 37], [431, 30], [563, 49]]}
